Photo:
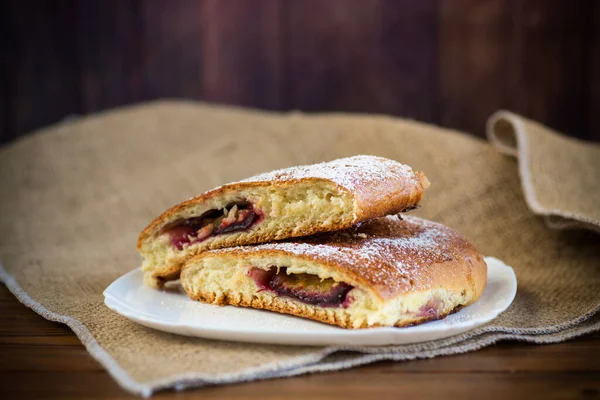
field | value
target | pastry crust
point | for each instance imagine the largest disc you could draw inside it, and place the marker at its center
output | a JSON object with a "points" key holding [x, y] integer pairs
{"points": [[403, 272], [293, 202]]}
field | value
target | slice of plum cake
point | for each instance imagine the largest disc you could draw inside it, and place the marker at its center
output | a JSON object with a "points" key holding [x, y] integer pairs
{"points": [[282, 204], [386, 272]]}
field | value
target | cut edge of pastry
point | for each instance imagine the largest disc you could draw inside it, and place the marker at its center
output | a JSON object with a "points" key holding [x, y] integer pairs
{"points": [[279, 212], [343, 300]]}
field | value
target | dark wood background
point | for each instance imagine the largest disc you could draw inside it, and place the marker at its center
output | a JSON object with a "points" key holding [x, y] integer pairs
{"points": [[451, 62]]}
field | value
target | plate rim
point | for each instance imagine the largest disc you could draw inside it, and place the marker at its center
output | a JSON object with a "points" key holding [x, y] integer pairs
{"points": [[117, 305]]}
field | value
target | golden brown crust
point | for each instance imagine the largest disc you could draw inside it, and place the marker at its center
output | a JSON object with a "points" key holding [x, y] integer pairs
{"points": [[291, 307], [387, 198]]}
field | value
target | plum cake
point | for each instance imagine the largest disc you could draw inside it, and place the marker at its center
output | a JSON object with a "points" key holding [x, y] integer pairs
{"points": [[391, 271]]}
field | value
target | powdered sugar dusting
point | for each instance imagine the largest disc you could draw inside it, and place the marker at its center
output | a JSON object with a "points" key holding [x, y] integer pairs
{"points": [[350, 172], [391, 253]]}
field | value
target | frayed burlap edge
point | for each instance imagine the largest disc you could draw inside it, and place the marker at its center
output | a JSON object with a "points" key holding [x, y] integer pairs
{"points": [[515, 143], [319, 361]]}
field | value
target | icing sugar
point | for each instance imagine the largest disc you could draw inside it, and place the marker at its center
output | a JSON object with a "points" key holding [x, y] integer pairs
{"points": [[350, 172]]}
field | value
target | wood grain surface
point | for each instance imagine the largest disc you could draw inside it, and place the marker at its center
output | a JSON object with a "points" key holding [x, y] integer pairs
{"points": [[40, 359], [449, 62]]}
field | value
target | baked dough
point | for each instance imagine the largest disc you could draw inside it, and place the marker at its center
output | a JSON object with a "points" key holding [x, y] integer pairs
{"points": [[388, 272], [282, 204]]}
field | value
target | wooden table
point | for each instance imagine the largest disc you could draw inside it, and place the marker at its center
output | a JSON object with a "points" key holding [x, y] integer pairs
{"points": [[42, 359]]}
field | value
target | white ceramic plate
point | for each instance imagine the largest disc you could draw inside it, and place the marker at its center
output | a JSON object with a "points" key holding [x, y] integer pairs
{"points": [[171, 310]]}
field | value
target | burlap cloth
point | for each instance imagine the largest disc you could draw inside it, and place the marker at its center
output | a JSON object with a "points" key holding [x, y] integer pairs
{"points": [[75, 196]]}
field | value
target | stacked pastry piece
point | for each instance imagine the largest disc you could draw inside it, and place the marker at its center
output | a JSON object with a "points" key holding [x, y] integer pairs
{"points": [[324, 241]]}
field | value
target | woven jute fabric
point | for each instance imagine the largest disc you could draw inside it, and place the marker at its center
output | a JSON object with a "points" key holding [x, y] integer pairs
{"points": [[75, 196], [560, 176]]}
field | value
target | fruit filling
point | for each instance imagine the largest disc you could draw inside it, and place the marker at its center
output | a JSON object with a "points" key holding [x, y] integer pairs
{"points": [[307, 288], [234, 217], [431, 310]]}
